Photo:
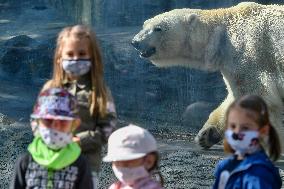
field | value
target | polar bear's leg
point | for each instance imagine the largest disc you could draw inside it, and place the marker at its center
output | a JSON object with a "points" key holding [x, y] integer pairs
{"points": [[212, 131]]}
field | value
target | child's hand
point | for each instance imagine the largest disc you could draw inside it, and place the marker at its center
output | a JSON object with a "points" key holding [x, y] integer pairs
{"points": [[76, 139]]}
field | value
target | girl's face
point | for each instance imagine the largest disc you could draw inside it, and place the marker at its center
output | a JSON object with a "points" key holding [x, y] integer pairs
{"points": [[59, 125], [239, 120], [74, 49], [148, 162]]}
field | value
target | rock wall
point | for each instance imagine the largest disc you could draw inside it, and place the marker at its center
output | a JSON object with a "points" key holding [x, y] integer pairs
{"points": [[163, 100], [139, 88], [116, 13]]}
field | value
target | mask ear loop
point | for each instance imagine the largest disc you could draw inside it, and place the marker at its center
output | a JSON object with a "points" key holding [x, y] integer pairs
{"points": [[264, 137]]}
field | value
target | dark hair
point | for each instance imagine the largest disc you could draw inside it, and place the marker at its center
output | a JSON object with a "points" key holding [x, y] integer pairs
{"points": [[155, 169], [257, 109]]}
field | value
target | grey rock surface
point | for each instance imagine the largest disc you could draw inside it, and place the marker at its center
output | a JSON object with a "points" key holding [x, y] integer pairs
{"points": [[196, 113], [120, 13], [145, 95]]}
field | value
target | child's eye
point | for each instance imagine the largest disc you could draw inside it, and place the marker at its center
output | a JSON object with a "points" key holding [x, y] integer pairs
{"points": [[64, 122], [47, 122], [82, 53], [69, 54], [232, 126]]}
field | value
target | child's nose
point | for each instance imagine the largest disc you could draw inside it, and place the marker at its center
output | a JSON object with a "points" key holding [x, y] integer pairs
{"points": [[76, 57], [237, 130]]}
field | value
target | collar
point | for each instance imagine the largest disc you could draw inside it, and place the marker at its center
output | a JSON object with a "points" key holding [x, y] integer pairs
{"points": [[82, 82], [257, 158], [53, 159]]}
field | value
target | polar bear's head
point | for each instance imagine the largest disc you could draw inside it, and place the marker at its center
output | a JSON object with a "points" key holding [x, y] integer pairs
{"points": [[178, 37]]}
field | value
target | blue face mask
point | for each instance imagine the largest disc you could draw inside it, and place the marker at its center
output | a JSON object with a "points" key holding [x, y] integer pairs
{"points": [[76, 67]]}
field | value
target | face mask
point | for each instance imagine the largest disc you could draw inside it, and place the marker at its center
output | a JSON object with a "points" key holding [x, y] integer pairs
{"points": [[129, 175], [246, 142], [54, 139], [76, 67]]}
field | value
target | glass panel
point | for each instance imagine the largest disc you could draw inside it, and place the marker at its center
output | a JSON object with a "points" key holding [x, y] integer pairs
{"points": [[173, 102]]}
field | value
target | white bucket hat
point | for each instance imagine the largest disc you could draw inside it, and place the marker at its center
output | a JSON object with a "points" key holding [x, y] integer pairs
{"points": [[128, 143]]}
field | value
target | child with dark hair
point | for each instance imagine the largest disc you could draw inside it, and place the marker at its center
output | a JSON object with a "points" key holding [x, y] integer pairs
{"points": [[253, 143], [54, 159]]}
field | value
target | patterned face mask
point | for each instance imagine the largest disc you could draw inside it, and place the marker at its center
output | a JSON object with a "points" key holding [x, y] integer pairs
{"points": [[54, 139], [76, 67], [246, 142]]}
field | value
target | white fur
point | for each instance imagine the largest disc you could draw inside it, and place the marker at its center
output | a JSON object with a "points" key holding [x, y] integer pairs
{"points": [[245, 43]]}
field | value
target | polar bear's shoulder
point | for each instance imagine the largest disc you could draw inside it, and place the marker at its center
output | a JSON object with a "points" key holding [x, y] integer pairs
{"points": [[248, 4], [255, 6], [243, 9]]}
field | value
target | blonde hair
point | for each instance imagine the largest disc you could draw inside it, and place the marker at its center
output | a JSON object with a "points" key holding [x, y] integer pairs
{"points": [[99, 95]]}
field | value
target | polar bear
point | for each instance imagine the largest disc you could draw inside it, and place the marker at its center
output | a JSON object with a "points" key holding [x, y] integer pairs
{"points": [[245, 43]]}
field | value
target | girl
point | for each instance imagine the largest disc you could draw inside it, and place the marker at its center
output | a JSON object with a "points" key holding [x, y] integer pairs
{"points": [[78, 68], [248, 132], [133, 153], [53, 159]]}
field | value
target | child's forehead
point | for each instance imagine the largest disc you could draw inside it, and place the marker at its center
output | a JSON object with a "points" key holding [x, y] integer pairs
{"points": [[71, 42], [250, 114]]}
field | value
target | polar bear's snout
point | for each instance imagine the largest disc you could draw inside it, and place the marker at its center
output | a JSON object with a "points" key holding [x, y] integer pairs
{"points": [[145, 50]]}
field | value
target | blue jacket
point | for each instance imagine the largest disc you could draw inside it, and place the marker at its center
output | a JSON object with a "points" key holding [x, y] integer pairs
{"points": [[256, 171]]}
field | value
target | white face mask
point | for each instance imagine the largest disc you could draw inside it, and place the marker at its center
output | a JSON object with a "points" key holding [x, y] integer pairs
{"points": [[246, 142], [129, 175], [54, 139], [76, 67]]}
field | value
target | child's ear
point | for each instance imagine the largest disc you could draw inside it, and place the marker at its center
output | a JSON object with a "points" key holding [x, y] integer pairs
{"points": [[150, 160], [264, 130], [34, 124]]}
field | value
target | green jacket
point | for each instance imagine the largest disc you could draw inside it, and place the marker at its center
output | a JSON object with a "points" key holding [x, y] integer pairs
{"points": [[93, 131]]}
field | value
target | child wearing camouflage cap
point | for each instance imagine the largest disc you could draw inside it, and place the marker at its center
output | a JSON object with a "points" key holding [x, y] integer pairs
{"points": [[53, 160]]}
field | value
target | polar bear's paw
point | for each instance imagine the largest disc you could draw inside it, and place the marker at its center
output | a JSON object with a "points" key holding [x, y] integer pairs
{"points": [[209, 136]]}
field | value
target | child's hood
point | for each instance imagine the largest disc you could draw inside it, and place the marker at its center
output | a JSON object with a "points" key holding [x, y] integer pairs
{"points": [[250, 162], [52, 159]]}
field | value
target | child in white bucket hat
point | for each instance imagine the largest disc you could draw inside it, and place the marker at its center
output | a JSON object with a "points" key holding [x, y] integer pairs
{"points": [[133, 153]]}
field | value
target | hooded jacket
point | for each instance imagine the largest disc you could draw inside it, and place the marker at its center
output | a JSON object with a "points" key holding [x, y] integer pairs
{"points": [[256, 171], [43, 167]]}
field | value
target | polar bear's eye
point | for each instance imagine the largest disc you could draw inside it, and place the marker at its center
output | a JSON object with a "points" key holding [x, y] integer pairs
{"points": [[157, 29]]}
